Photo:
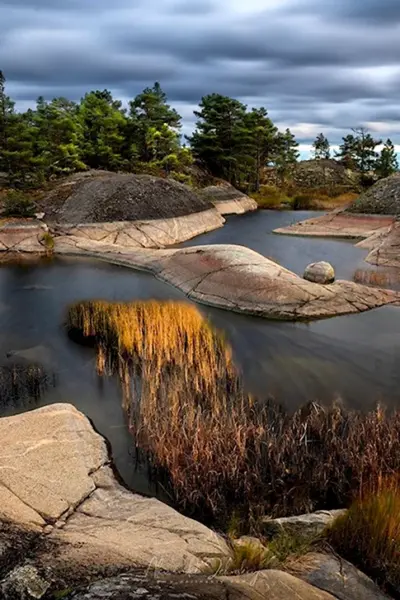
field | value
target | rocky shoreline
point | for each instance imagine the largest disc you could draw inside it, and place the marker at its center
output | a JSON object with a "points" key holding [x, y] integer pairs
{"points": [[66, 522], [378, 233], [225, 276]]}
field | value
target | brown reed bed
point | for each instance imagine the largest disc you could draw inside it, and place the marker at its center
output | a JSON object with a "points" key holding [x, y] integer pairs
{"points": [[221, 454]]}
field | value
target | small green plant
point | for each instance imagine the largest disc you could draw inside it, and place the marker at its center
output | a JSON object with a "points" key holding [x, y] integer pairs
{"points": [[181, 178], [251, 556], [48, 242], [289, 545], [369, 535], [17, 204]]}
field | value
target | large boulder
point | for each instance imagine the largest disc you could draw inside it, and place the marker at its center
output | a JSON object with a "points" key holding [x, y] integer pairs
{"points": [[101, 197], [383, 198], [336, 576], [55, 481], [320, 272], [307, 526]]}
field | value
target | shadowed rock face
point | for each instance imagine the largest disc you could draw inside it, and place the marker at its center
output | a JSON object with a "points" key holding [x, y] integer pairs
{"points": [[101, 197], [383, 198]]}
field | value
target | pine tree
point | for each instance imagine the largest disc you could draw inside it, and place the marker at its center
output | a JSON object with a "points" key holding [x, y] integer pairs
{"points": [[287, 152], [321, 147], [347, 153], [151, 118], [59, 136], [358, 150], [219, 135], [387, 163], [103, 125], [261, 143]]}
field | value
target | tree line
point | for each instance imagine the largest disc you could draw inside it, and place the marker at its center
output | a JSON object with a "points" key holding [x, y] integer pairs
{"points": [[60, 137], [230, 140], [358, 152]]}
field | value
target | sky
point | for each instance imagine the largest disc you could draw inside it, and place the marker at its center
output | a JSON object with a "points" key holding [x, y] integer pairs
{"points": [[326, 65]]}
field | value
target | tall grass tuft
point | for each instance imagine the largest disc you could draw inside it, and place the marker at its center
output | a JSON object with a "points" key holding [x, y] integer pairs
{"points": [[218, 451], [369, 535]]}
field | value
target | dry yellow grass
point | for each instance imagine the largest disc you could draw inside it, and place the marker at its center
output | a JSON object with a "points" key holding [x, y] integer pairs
{"points": [[369, 534], [217, 450]]}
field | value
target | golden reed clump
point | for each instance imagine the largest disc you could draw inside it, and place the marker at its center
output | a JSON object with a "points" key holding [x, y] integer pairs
{"points": [[218, 451]]}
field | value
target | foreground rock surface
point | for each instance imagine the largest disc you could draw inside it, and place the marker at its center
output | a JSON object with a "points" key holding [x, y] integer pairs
{"points": [[55, 479], [268, 585], [337, 577]]}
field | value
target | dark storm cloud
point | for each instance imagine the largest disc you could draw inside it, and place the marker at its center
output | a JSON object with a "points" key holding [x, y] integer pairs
{"points": [[372, 11], [330, 64]]}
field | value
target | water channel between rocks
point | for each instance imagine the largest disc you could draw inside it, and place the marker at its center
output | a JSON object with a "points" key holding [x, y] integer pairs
{"points": [[354, 358]]}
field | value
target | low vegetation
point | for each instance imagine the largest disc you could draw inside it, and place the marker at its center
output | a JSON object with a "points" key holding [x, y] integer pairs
{"points": [[288, 197], [18, 204], [219, 452], [369, 535]]}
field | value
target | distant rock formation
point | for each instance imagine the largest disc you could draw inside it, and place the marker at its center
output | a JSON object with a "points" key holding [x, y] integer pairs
{"points": [[316, 174]]}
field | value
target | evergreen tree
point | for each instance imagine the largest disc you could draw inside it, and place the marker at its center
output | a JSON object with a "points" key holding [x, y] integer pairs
{"points": [[358, 150], [23, 166], [103, 124], [261, 143], [59, 136], [287, 153], [321, 147], [347, 153], [220, 137], [387, 163], [153, 125]]}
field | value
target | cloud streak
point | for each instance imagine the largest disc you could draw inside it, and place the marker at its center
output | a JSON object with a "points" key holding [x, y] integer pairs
{"points": [[325, 66]]}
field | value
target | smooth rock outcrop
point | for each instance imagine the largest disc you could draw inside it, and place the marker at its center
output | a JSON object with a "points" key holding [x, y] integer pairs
{"points": [[385, 250], [55, 480], [320, 272], [340, 225], [22, 236], [239, 279], [337, 577], [156, 233], [228, 200]]}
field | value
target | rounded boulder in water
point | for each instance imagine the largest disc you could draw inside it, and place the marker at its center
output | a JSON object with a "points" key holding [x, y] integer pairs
{"points": [[320, 272]]}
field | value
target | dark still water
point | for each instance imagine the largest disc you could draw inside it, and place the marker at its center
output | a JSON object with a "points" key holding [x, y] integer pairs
{"points": [[355, 358]]}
